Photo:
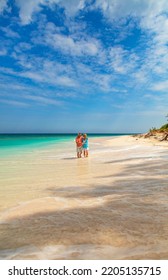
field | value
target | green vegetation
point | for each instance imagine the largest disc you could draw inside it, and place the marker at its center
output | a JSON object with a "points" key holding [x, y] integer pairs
{"points": [[163, 128], [159, 133], [152, 129]]}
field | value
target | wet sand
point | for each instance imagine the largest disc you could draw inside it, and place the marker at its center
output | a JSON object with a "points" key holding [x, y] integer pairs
{"points": [[112, 205]]}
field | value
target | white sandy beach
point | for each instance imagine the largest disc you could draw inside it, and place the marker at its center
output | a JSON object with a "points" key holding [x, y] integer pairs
{"points": [[112, 205]]}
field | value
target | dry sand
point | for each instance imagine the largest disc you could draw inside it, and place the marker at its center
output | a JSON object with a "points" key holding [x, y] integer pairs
{"points": [[112, 205]]}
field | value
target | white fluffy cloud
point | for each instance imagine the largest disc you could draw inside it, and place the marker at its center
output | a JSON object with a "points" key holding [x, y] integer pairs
{"points": [[3, 52], [160, 86], [28, 8], [67, 44], [3, 5], [119, 59], [14, 103], [9, 32], [112, 9]]}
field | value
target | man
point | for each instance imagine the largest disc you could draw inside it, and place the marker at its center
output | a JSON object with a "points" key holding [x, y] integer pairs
{"points": [[79, 143]]}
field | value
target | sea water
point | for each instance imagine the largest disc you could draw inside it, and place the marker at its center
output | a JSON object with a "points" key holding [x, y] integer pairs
{"points": [[12, 144]]}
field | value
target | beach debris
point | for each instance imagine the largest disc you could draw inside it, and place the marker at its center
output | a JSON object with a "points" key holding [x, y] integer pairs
{"points": [[157, 135], [165, 137]]}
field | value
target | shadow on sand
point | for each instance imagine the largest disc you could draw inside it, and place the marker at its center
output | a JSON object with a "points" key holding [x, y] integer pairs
{"points": [[130, 212]]}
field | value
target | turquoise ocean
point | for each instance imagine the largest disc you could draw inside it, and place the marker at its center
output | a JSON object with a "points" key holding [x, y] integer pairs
{"points": [[11, 144]]}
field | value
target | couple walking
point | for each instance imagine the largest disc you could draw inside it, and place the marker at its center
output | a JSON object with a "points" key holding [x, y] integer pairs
{"points": [[82, 145]]}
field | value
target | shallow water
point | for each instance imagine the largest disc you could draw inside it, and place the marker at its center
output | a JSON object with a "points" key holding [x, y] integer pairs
{"points": [[112, 205]]}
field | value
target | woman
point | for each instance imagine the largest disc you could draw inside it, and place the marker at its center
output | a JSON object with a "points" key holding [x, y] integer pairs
{"points": [[85, 145]]}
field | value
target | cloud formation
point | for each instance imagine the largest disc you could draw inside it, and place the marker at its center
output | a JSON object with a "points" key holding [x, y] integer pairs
{"points": [[110, 53], [111, 9], [3, 5]]}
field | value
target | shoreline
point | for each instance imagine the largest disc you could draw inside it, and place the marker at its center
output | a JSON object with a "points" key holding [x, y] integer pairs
{"points": [[113, 204]]}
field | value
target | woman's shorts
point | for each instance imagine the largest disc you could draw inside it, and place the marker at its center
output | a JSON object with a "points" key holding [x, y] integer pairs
{"points": [[86, 149]]}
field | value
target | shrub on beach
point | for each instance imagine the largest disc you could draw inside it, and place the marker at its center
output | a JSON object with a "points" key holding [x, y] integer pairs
{"points": [[158, 133], [153, 129], [164, 127]]}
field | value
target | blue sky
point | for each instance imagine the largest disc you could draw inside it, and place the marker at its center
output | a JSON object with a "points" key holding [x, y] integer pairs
{"points": [[83, 65]]}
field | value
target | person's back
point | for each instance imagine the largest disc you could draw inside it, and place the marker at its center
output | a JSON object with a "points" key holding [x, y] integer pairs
{"points": [[85, 143]]}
